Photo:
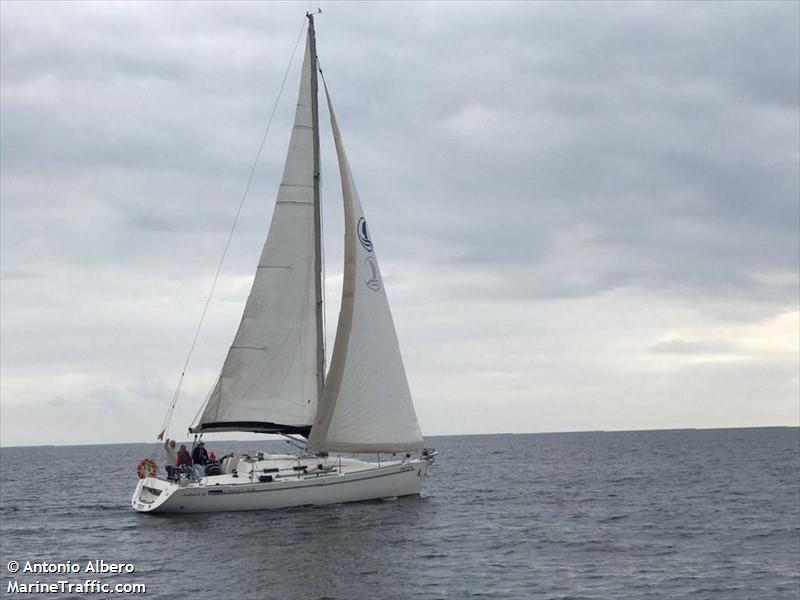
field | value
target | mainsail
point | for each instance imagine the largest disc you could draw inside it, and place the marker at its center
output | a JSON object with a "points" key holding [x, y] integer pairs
{"points": [[272, 378], [272, 375], [366, 403]]}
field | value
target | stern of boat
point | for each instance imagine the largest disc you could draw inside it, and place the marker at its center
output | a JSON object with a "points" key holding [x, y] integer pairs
{"points": [[151, 493]]}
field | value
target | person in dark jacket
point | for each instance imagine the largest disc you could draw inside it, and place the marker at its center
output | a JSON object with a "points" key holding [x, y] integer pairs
{"points": [[200, 458], [199, 454]]}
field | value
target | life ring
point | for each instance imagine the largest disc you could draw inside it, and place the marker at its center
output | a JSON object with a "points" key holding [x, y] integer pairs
{"points": [[146, 468]]}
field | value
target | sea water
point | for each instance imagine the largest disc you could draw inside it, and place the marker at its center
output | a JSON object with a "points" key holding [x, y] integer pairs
{"points": [[656, 514]]}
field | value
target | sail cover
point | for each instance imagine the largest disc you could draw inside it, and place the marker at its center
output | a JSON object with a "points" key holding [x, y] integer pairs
{"points": [[269, 380], [366, 403]]}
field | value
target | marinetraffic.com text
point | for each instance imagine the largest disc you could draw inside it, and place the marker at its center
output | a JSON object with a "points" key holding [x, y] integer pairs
{"points": [[19, 584]]}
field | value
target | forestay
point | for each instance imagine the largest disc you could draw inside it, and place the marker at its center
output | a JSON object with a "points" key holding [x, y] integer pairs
{"points": [[366, 403], [269, 379]]}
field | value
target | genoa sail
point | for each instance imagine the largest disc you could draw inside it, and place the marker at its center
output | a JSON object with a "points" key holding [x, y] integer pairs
{"points": [[366, 403], [271, 376]]}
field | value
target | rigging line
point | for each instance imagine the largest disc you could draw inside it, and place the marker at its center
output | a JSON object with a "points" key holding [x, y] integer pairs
{"points": [[168, 418]]}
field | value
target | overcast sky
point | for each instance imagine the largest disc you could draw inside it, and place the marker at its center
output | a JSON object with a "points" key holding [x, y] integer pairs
{"points": [[587, 214]]}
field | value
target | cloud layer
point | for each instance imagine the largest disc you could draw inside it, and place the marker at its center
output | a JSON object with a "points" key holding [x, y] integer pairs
{"points": [[587, 213]]}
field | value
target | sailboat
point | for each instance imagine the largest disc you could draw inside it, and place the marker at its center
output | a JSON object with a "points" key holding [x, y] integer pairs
{"points": [[274, 380]]}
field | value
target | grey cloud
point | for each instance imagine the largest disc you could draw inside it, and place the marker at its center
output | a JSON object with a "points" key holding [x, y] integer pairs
{"points": [[506, 153]]}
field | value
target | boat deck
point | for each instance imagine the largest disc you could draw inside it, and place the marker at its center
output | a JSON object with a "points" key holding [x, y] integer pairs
{"points": [[245, 469], [277, 481]]}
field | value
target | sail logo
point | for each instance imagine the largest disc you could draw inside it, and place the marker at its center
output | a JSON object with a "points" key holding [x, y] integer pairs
{"points": [[363, 234], [373, 275]]}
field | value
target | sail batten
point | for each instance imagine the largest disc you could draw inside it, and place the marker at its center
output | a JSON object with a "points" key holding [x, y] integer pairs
{"points": [[366, 403]]}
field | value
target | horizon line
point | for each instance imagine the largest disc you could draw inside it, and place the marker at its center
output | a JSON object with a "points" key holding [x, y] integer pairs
{"points": [[797, 426]]}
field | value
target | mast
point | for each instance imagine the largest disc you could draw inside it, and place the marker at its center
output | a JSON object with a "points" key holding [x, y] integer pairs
{"points": [[317, 209]]}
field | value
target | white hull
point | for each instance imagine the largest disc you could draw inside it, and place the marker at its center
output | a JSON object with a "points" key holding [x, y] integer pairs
{"points": [[340, 481]]}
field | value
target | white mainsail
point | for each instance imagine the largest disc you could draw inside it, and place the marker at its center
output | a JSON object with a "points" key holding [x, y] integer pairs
{"points": [[366, 403], [270, 379]]}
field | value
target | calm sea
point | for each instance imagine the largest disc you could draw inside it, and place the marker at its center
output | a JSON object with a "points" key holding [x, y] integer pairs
{"points": [[659, 514]]}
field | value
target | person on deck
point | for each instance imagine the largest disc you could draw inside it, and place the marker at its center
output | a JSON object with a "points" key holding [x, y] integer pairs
{"points": [[171, 458], [183, 458], [200, 458], [213, 466], [199, 454]]}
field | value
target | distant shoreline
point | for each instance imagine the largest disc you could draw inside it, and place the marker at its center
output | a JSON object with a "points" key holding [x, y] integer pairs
{"points": [[449, 435]]}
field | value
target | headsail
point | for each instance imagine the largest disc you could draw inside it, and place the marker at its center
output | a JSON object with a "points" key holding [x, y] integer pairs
{"points": [[366, 404], [271, 377]]}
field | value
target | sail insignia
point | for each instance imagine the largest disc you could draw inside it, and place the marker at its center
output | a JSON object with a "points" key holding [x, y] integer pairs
{"points": [[363, 234]]}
